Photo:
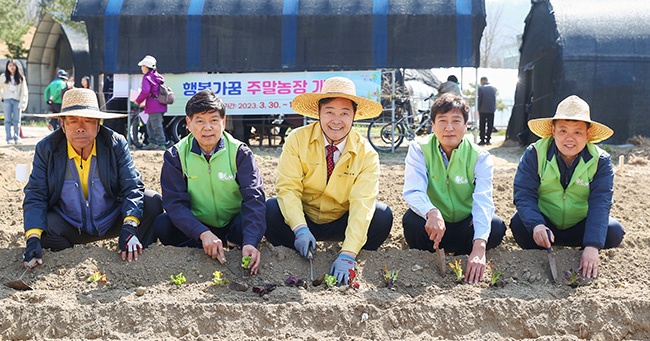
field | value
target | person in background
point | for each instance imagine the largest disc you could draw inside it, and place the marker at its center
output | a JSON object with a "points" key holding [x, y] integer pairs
{"points": [[450, 86], [14, 95], [84, 186], [448, 187], [213, 192], [85, 82], [152, 107], [487, 105], [54, 95], [564, 186], [328, 180]]}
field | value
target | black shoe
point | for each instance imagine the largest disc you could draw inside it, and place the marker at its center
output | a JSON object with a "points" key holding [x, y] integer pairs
{"points": [[482, 143], [488, 143]]}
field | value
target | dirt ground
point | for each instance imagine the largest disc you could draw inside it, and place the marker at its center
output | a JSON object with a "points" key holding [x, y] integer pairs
{"points": [[424, 305]]}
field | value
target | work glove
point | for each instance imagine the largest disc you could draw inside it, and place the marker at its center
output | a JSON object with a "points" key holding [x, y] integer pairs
{"points": [[341, 268], [128, 241], [33, 249], [304, 242], [49, 102]]}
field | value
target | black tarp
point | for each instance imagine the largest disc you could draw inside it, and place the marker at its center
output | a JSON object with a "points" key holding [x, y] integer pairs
{"points": [[281, 35], [596, 49]]}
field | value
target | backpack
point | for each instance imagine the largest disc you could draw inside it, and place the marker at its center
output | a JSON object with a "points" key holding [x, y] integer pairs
{"points": [[165, 94]]}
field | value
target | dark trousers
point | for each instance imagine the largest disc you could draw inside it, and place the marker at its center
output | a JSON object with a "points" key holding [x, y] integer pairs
{"points": [[54, 122], [458, 238], [572, 236], [279, 233], [486, 124], [168, 234], [61, 235]]}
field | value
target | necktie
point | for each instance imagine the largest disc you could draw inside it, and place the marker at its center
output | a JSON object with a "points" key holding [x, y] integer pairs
{"points": [[330, 160]]}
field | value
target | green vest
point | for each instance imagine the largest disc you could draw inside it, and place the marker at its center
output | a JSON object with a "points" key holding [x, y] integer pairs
{"points": [[213, 191], [450, 188], [564, 208]]}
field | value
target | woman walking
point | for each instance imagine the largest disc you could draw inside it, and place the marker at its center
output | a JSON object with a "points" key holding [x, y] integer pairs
{"points": [[14, 94]]}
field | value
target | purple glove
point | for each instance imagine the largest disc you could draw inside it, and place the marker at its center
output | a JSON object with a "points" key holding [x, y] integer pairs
{"points": [[341, 268]]}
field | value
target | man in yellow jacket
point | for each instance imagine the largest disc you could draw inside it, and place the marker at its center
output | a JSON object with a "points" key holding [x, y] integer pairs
{"points": [[328, 180]]}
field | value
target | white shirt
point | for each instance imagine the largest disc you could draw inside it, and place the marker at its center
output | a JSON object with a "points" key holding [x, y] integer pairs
{"points": [[416, 181]]}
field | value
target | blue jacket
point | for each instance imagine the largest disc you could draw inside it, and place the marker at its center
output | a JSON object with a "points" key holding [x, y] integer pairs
{"points": [[116, 171], [601, 191]]}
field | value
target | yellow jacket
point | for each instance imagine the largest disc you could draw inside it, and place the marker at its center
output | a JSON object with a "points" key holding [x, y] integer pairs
{"points": [[302, 186]]}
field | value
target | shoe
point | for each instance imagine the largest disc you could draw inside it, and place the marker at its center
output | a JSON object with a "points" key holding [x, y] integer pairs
{"points": [[18, 142], [161, 148], [150, 147], [488, 143], [482, 143]]}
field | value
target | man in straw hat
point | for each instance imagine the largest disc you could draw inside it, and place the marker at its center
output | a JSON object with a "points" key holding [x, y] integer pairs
{"points": [[84, 186], [448, 187], [328, 179], [564, 185], [213, 192]]}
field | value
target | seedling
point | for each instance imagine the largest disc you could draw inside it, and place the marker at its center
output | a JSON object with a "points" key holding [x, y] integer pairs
{"points": [[318, 281], [245, 261], [496, 276], [178, 279], [574, 278], [457, 266], [330, 281], [354, 284], [390, 277], [97, 277], [294, 281], [218, 278], [264, 290]]}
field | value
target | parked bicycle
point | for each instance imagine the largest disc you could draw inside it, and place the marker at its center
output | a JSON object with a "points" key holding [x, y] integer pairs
{"points": [[384, 134], [174, 127]]}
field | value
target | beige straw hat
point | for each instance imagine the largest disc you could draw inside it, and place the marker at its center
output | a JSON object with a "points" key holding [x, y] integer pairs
{"points": [[307, 104], [82, 103], [571, 108]]}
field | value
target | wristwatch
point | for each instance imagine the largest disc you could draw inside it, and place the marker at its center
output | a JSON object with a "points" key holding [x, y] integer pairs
{"points": [[131, 222]]}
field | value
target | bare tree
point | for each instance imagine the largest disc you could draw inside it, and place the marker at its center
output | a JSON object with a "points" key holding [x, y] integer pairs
{"points": [[491, 35]]}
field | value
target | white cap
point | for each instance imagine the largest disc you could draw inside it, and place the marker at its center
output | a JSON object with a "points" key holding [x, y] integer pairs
{"points": [[148, 61]]}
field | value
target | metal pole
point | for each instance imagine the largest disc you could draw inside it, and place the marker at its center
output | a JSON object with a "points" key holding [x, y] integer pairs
{"points": [[476, 113], [128, 110], [392, 116]]}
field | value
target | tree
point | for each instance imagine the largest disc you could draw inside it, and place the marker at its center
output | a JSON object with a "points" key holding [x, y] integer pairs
{"points": [[61, 10], [491, 34], [13, 26]]}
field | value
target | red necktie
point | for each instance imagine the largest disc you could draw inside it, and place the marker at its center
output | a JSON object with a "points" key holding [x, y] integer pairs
{"points": [[330, 159]]}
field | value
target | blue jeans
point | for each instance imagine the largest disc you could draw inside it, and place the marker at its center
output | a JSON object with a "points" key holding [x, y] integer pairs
{"points": [[12, 118], [155, 129]]}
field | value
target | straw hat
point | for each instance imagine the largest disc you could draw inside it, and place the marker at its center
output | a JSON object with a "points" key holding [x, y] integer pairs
{"points": [[82, 103], [307, 104], [571, 108], [148, 61]]}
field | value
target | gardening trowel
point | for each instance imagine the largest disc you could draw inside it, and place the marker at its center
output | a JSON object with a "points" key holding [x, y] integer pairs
{"points": [[440, 252], [19, 284], [310, 255], [551, 258]]}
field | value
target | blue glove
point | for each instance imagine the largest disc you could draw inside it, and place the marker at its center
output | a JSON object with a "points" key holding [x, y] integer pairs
{"points": [[341, 268], [304, 241], [33, 249]]}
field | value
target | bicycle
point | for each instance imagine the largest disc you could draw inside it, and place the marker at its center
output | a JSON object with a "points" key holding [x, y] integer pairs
{"points": [[407, 125], [175, 129]]}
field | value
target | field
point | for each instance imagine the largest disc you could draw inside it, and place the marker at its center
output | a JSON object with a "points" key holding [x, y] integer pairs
{"points": [[424, 305]]}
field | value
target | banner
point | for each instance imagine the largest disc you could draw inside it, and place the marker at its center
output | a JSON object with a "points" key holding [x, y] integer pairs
{"points": [[252, 93]]}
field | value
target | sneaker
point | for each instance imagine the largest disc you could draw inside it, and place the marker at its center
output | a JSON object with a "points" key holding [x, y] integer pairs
{"points": [[488, 143], [18, 141], [482, 143], [150, 147]]}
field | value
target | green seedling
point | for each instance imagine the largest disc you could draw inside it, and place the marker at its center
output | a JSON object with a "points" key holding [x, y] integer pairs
{"points": [[574, 278], [390, 277], [97, 277], [496, 276], [218, 278], [245, 261], [178, 279], [457, 266], [330, 281]]}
